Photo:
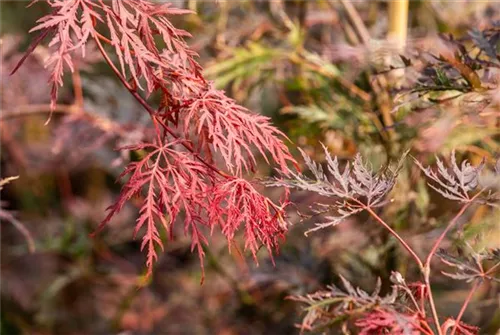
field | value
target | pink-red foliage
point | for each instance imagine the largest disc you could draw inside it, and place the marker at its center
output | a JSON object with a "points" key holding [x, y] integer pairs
{"points": [[382, 322], [231, 129], [236, 203], [193, 122], [172, 181], [419, 290]]}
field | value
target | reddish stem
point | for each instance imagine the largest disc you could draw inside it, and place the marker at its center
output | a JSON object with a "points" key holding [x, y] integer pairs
{"points": [[427, 266], [428, 327], [77, 86], [464, 306], [151, 111], [431, 301], [447, 229], [425, 330], [493, 268], [396, 235]]}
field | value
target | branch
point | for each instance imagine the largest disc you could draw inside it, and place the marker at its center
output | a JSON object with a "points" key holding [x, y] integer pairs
{"points": [[447, 229], [100, 121], [493, 268], [36, 109], [427, 266], [152, 112], [431, 301], [396, 235], [473, 289]]}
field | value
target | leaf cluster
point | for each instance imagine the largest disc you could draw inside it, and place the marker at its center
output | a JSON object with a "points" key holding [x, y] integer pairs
{"points": [[357, 188], [194, 124]]}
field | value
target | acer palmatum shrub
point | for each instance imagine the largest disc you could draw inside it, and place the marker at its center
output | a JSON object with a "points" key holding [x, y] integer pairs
{"points": [[176, 174], [410, 308]]}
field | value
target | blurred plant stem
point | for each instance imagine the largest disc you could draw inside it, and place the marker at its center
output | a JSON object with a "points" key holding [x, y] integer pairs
{"points": [[378, 83], [220, 38], [124, 306], [464, 306], [192, 5], [398, 22], [77, 86]]}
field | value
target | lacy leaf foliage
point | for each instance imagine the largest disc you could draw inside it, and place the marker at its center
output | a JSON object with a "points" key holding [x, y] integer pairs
{"points": [[455, 183], [176, 172], [356, 187], [471, 268], [372, 313], [170, 181], [465, 182]]}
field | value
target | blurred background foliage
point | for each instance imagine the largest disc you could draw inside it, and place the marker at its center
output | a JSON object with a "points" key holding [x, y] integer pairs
{"points": [[331, 72]]}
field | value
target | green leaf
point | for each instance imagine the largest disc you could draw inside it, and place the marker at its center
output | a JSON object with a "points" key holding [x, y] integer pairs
{"points": [[441, 78], [251, 62], [312, 113]]}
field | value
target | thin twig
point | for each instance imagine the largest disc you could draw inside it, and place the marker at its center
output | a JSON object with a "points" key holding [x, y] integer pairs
{"points": [[493, 268], [408, 291], [356, 21], [100, 121], [431, 301], [447, 229], [77, 86], [473, 289], [427, 266], [396, 235], [36, 109]]}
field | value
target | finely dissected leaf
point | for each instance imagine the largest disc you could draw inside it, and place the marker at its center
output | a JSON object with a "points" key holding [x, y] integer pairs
{"points": [[382, 321], [72, 29], [170, 181], [237, 203], [234, 132], [483, 43], [245, 64], [351, 294], [132, 25], [454, 183], [335, 304], [461, 328], [469, 268], [357, 187]]}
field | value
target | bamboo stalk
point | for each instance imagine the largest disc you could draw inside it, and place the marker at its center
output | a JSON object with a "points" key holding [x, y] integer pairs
{"points": [[398, 22]]}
